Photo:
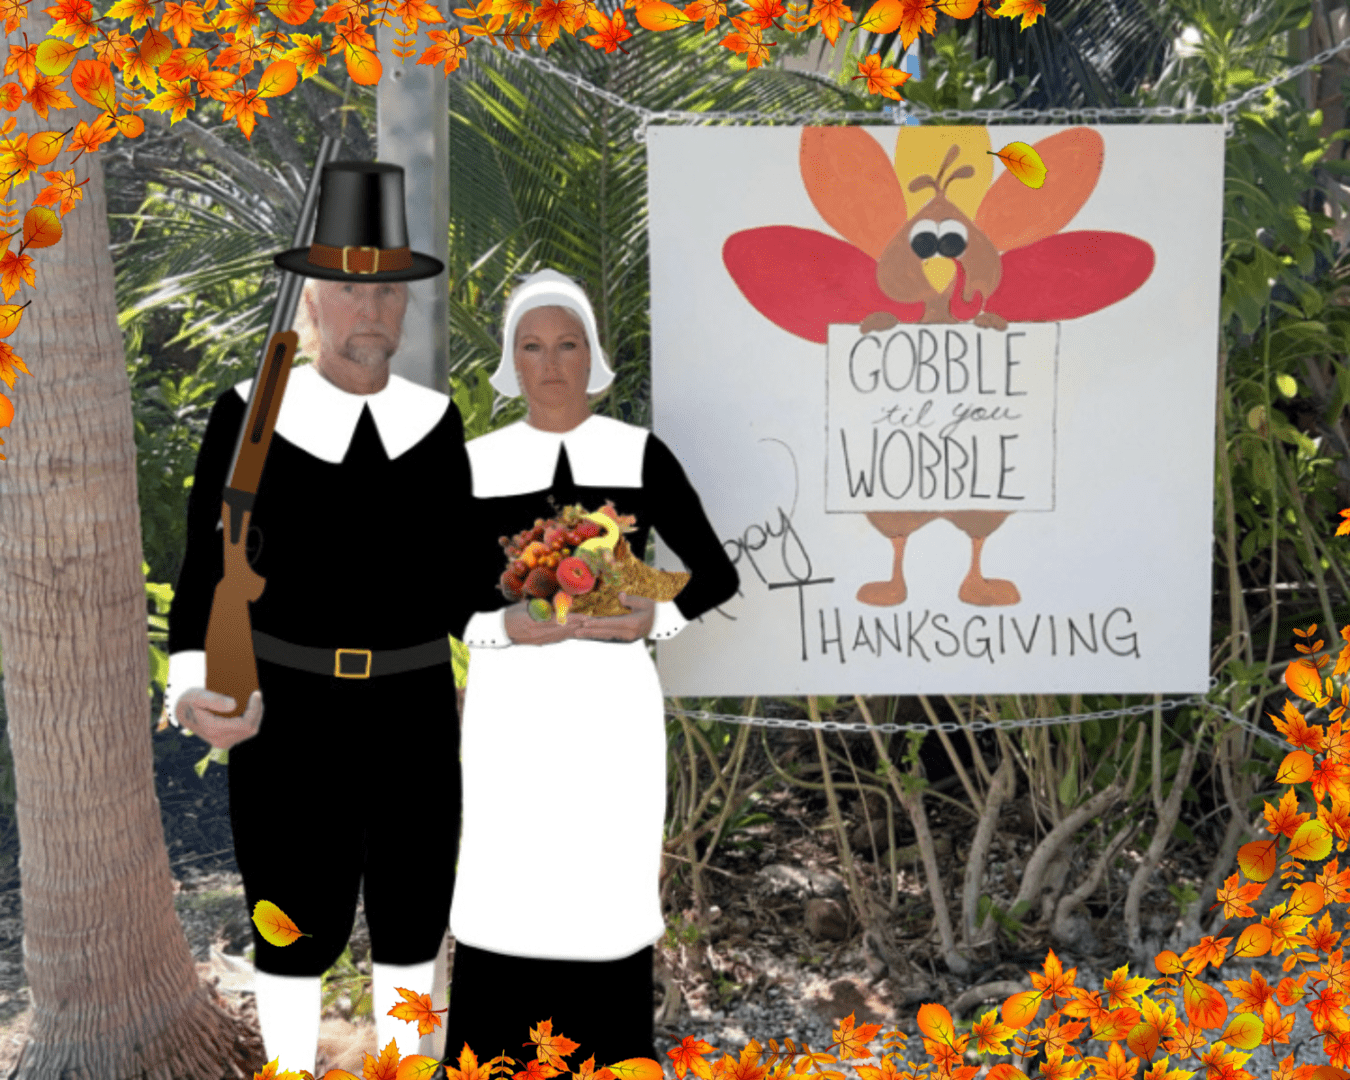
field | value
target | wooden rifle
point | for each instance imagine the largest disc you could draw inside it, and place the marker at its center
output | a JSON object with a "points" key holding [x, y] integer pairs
{"points": [[231, 667]]}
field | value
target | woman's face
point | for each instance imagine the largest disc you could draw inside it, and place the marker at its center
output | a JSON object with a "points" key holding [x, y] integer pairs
{"points": [[553, 358]]}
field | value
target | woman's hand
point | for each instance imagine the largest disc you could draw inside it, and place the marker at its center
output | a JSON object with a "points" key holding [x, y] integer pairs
{"points": [[634, 626], [522, 630]]}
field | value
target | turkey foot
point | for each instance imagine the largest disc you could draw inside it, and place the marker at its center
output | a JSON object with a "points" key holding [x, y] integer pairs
{"points": [[982, 591], [897, 526], [992, 321]]}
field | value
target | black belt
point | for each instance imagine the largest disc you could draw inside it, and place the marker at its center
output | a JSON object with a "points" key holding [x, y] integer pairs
{"points": [[350, 663]]}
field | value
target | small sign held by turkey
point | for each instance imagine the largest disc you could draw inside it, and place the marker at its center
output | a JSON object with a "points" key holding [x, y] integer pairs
{"points": [[936, 418]]}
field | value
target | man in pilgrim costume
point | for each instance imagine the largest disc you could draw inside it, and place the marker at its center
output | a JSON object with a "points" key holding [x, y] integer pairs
{"points": [[557, 902], [354, 528]]}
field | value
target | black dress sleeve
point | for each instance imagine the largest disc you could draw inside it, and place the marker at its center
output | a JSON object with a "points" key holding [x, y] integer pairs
{"points": [[478, 559], [204, 560], [676, 512]]}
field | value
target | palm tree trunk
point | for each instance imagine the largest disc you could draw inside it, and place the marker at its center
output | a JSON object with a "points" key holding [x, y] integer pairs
{"points": [[115, 991]]}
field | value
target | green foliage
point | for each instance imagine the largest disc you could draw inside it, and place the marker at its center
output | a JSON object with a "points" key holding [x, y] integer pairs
{"points": [[956, 79], [1008, 922]]}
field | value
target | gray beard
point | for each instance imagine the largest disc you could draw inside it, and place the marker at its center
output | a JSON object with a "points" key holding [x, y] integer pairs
{"points": [[367, 355]]}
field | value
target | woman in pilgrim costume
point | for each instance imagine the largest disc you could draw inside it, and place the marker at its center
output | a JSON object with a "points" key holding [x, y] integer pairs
{"points": [[354, 528], [556, 905]]}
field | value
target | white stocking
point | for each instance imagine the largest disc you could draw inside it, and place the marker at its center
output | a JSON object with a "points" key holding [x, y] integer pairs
{"points": [[288, 1013], [385, 978]]}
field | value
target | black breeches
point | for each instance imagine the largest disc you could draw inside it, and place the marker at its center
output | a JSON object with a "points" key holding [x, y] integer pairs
{"points": [[336, 792]]}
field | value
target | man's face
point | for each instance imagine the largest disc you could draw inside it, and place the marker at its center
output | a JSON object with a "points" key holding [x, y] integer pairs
{"points": [[361, 323]]}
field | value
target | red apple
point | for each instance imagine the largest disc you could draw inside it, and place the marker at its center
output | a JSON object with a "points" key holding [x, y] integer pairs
{"points": [[574, 576]]}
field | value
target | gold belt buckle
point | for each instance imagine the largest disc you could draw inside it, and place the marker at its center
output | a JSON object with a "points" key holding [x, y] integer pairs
{"points": [[375, 269], [337, 664]]}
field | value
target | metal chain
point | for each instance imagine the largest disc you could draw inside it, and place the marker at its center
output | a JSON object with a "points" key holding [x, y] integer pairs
{"points": [[949, 726], [896, 114]]}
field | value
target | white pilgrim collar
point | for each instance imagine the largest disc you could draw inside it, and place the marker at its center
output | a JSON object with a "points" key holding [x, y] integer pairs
{"points": [[519, 458], [320, 418]]}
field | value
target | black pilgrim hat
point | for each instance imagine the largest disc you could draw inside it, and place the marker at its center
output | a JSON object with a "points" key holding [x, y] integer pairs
{"points": [[360, 231]]}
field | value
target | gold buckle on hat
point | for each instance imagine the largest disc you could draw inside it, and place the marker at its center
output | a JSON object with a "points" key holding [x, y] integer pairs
{"points": [[375, 254], [337, 664]]}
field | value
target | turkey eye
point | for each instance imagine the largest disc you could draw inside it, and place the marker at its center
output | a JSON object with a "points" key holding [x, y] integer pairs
{"points": [[951, 238], [923, 239]]}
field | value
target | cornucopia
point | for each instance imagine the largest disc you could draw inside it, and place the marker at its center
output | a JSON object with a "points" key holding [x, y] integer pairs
{"points": [[579, 561]]}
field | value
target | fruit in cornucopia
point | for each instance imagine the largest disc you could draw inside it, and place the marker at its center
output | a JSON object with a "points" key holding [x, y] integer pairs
{"points": [[574, 576], [512, 585], [587, 529], [541, 582], [595, 562], [552, 533], [540, 610], [608, 539], [561, 603], [534, 551]]}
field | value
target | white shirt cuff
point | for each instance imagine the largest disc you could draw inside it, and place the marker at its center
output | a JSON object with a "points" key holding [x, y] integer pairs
{"points": [[668, 621], [487, 629], [187, 670]]}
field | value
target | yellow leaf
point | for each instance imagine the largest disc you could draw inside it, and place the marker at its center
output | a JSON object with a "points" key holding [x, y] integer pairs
{"points": [[1311, 843], [53, 56], [936, 1023], [1023, 162], [883, 17], [44, 147], [278, 79], [658, 15], [41, 228], [273, 924], [10, 314], [1297, 766], [1257, 859], [1303, 679], [1020, 1009], [1243, 1031]]}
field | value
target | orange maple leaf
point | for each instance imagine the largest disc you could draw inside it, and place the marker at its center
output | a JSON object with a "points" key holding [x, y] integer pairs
{"points": [[1296, 729], [764, 13], [243, 53], [916, 16], [113, 48], [184, 64], [241, 107], [10, 362], [23, 61], [1187, 1041], [46, 94], [413, 12], [552, 1049], [829, 14], [1251, 995], [1275, 1026], [182, 19], [176, 96], [550, 16], [1029, 10], [1335, 881], [749, 40], [243, 15], [139, 12], [445, 48], [417, 1007], [469, 1069], [1322, 938], [89, 137], [12, 11], [14, 267], [61, 188], [1056, 1068], [1121, 990], [1236, 898], [611, 32], [1114, 1066], [1283, 820], [688, 1056], [852, 1038], [292, 12], [710, 11], [882, 80], [309, 54], [990, 1035]]}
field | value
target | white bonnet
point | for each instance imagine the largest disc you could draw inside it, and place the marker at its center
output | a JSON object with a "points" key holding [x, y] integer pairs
{"points": [[547, 288]]}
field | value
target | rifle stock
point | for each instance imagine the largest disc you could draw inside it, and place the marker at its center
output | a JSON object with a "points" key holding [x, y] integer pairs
{"points": [[231, 667]]}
